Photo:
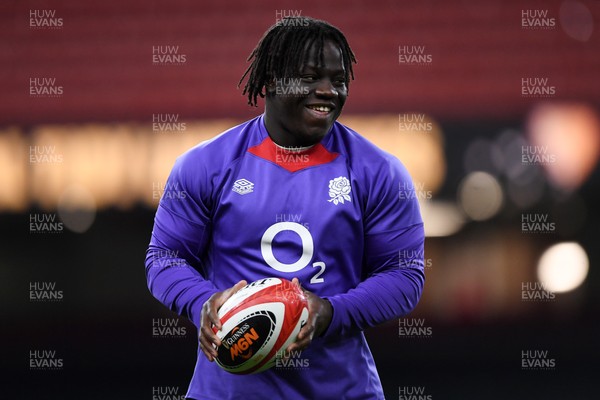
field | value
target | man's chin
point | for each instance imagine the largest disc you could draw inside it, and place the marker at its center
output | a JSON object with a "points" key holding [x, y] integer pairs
{"points": [[314, 136]]}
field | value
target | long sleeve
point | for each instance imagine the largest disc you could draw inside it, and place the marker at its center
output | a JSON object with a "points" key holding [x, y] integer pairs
{"points": [[179, 239], [393, 266]]}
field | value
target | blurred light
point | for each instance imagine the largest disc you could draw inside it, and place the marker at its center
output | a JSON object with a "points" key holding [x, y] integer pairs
{"points": [[510, 143], [441, 218], [420, 149], [118, 164], [483, 155], [14, 160], [568, 136], [480, 195], [576, 20], [77, 209], [121, 165], [526, 190], [563, 267], [526, 183]]}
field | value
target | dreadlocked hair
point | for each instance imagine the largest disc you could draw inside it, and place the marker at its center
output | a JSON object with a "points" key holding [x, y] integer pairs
{"points": [[284, 48]]}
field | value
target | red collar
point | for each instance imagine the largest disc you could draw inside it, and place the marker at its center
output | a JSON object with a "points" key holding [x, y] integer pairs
{"points": [[292, 160]]}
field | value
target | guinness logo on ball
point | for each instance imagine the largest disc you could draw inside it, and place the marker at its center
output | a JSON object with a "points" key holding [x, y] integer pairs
{"points": [[246, 339]]}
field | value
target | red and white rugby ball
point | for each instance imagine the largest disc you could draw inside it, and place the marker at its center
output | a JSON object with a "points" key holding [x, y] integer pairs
{"points": [[258, 323]]}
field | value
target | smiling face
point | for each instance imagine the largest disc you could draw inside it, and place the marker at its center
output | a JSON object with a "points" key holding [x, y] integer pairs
{"points": [[300, 110]]}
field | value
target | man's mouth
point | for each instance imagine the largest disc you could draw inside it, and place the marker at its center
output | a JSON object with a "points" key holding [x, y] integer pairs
{"points": [[320, 110]]}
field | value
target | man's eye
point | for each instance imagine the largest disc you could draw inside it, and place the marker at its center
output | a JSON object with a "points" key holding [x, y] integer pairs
{"points": [[310, 78]]}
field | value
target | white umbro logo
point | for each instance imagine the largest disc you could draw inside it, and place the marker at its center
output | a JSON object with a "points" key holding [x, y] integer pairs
{"points": [[243, 186]]}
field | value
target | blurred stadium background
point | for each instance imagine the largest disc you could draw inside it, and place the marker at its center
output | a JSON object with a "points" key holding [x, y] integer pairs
{"points": [[491, 105]]}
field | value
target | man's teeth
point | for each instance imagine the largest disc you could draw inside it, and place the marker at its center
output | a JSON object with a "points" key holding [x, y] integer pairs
{"points": [[320, 108]]}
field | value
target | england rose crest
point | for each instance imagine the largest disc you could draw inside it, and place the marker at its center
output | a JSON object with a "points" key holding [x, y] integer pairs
{"points": [[339, 190]]}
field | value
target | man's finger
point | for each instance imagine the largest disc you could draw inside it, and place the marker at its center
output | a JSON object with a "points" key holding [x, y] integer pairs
{"points": [[209, 335], [207, 349], [298, 345], [206, 352], [210, 317], [219, 300], [307, 331], [213, 317], [229, 292]]}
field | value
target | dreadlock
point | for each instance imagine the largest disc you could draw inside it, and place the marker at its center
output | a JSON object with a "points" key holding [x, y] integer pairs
{"points": [[285, 46]]}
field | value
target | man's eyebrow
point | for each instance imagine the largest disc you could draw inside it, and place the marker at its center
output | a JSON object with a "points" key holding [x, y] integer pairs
{"points": [[309, 64], [315, 67]]}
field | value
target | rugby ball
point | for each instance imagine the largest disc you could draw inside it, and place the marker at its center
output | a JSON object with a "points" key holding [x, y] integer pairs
{"points": [[258, 323]]}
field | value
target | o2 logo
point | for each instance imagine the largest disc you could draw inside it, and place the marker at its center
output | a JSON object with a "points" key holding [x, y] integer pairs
{"points": [[308, 247]]}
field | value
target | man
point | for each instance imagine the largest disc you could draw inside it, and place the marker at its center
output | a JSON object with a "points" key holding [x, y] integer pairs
{"points": [[294, 194]]}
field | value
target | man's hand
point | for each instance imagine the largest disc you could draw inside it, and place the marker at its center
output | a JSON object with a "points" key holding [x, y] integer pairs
{"points": [[319, 317], [209, 318]]}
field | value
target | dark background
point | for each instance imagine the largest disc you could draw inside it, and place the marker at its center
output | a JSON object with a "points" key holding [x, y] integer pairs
{"points": [[102, 56]]}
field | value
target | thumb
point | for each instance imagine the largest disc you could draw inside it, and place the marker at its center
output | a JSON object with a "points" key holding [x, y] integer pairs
{"points": [[296, 282], [236, 287]]}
